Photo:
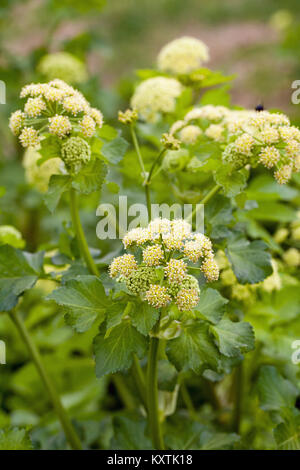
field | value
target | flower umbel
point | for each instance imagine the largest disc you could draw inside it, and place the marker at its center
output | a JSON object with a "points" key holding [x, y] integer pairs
{"points": [[163, 278]]}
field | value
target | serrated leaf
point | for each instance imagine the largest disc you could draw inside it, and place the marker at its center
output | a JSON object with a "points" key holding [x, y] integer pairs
{"points": [[250, 261], [217, 441], [273, 212], [90, 178], [233, 338], [84, 301], [143, 317], [107, 132], [211, 305], [58, 184], [114, 352], [275, 392], [15, 439], [287, 434], [114, 150], [16, 276], [193, 349], [114, 314], [129, 434], [50, 148], [232, 183]]}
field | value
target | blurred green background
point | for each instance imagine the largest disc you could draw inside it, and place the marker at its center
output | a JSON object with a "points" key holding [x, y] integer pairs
{"points": [[258, 42]]}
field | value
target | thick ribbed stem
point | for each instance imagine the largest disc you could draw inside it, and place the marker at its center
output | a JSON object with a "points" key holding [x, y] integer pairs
{"points": [[152, 395], [84, 249]]}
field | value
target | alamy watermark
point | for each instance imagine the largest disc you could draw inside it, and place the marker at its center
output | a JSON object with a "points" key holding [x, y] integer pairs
{"points": [[295, 98], [117, 220], [2, 92], [2, 352], [296, 354]]}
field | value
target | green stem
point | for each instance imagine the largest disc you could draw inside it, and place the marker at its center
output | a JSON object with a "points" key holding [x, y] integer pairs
{"points": [[206, 198], [154, 164], [123, 391], [139, 380], [238, 398], [152, 395], [187, 400], [84, 249], [137, 149], [148, 201], [61, 412]]}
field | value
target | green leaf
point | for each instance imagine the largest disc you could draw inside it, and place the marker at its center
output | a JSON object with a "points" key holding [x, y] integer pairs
{"points": [[114, 150], [273, 212], [16, 276], [107, 132], [50, 148], [15, 439], [217, 441], [219, 96], [84, 301], [114, 314], [193, 349], [265, 188], [143, 317], [211, 305], [90, 178], [11, 237], [167, 376], [287, 434], [233, 337], [58, 184], [250, 261], [129, 433], [211, 77], [232, 182], [275, 393], [114, 351]]}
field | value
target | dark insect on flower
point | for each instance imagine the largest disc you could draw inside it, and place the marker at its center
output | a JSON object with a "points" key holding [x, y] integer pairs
{"points": [[259, 107]]}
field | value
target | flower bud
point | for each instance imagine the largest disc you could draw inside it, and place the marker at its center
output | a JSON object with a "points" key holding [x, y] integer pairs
{"points": [[75, 153]]}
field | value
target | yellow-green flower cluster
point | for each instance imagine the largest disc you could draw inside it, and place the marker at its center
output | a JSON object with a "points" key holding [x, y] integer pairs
{"points": [[246, 137], [55, 108], [245, 292], [182, 56], [64, 66], [75, 153], [11, 236], [39, 175], [162, 277], [169, 142], [128, 117], [156, 96]]}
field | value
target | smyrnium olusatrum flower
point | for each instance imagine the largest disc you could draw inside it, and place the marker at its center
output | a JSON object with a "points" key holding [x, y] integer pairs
{"points": [[123, 265], [189, 134], [75, 153], [162, 277], [60, 125], [156, 96], [56, 108], [182, 56], [152, 255], [246, 137], [128, 117], [16, 122], [64, 66], [170, 142], [39, 175], [29, 137]]}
